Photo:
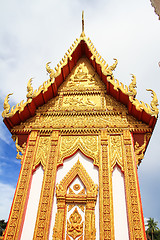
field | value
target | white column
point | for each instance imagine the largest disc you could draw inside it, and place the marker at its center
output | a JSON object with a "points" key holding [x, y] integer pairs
{"points": [[32, 206], [121, 230]]}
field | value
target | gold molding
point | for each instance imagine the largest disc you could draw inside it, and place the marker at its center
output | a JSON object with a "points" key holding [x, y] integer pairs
{"points": [[88, 198], [106, 199], [88, 145], [41, 230], [116, 151], [42, 152], [134, 210]]}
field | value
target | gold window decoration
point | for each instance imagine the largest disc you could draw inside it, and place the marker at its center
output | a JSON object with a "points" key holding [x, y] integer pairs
{"points": [[72, 226]]}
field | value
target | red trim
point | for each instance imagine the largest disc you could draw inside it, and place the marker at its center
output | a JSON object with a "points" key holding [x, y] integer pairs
{"points": [[81, 50]]}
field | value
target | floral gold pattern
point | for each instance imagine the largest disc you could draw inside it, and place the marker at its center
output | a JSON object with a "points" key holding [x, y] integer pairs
{"points": [[75, 225], [89, 199], [76, 187]]}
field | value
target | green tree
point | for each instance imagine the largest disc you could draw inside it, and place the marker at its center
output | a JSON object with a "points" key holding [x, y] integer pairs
{"points": [[3, 225], [152, 227]]}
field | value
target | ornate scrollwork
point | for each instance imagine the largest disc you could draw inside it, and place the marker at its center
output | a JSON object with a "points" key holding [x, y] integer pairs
{"points": [[50, 71], [154, 103], [132, 91], [107, 71], [6, 106], [86, 144], [42, 152], [29, 89], [75, 225], [19, 148], [110, 69], [116, 151], [140, 150], [88, 198]]}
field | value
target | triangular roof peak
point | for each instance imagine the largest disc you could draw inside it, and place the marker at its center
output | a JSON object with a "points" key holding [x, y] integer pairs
{"points": [[81, 47]]}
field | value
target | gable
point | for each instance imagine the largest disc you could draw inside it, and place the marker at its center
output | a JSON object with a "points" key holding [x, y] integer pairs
{"points": [[82, 102], [82, 47]]}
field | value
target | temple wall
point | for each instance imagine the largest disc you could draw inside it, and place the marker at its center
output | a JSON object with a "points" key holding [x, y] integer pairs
{"points": [[32, 205], [62, 171], [119, 205]]}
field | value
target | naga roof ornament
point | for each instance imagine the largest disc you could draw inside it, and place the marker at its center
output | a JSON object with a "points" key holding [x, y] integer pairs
{"points": [[81, 46]]}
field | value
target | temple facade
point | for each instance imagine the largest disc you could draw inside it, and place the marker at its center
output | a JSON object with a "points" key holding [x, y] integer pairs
{"points": [[80, 138]]}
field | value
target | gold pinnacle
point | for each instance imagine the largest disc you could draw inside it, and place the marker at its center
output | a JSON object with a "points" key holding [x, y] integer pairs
{"points": [[82, 21]]}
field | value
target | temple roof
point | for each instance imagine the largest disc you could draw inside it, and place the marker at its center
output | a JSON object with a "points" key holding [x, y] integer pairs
{"points": [[82, 47]]}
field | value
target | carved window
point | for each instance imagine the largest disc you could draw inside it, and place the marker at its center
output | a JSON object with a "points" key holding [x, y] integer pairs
{"points": [[76, 198]]}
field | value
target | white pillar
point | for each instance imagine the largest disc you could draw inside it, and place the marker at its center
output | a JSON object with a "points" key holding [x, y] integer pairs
{"points": [[32, 206], [121, 230]]}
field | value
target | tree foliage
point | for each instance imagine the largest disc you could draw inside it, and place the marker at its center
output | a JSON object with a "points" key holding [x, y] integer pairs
{"points": [[152, 232], [3, 225]]}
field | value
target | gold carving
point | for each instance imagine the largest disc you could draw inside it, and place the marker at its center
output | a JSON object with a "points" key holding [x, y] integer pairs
{"points": [[29, 89], [139, 150], [19, 148], [82, 34], [75, 226], [87, 144], [81, 76], [132, 91], [132, 193], [76, 187], [78, 200], [107, 71], [71, 191], [6, 106], [116, 151], [50, 71], [77, 170], [106, 201], [70, 206], [42, 152], [42, 226], [154, 103]]}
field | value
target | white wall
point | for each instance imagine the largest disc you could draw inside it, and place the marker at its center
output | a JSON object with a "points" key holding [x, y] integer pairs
{"points": [[32, 206], [119, 205], [63, 170]]}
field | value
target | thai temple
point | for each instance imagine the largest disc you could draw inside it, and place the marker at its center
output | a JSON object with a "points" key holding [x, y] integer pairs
{"points": [[80, 138]]}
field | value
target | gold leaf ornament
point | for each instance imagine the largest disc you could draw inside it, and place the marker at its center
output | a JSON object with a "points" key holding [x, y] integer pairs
{"points": [[6, 106], [29, 89], [75, 227]]}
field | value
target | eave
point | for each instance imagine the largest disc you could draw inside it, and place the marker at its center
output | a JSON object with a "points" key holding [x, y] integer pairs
{"points": [[82, 47]]}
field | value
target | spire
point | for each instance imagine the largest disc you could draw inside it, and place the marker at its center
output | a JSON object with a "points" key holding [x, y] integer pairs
{"points": [[82, 34], [82, 21]]}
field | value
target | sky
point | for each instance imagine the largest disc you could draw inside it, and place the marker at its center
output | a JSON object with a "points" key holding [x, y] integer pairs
{"points": [[33, 33]]}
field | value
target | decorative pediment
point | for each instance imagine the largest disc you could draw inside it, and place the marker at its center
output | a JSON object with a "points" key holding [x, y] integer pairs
{"points": [[81, 79], [77, 171]]}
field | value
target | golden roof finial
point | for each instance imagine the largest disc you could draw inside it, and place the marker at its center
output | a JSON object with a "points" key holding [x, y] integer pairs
{"points": [[82, 21], [82, 34]]}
